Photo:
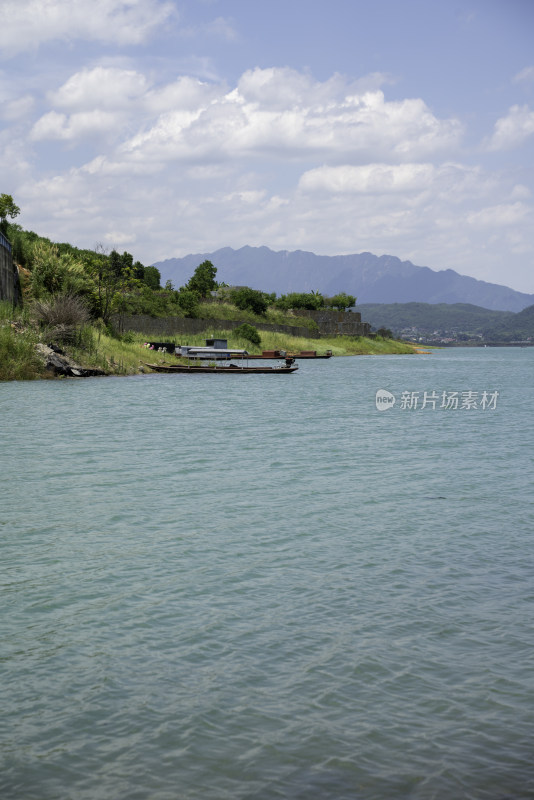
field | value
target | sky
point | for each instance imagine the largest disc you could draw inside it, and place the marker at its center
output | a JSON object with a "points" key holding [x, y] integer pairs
{"points": [[160, 127]]}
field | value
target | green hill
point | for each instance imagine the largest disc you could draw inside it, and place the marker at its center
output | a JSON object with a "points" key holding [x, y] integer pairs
{"points": [[455, 320]]}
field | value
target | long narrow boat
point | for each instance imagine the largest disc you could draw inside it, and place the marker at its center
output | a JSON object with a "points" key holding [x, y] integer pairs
{"points": [[271, 355], [219, 370]]}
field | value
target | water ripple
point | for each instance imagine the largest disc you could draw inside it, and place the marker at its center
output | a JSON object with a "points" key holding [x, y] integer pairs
{"points": [[269, 590]]}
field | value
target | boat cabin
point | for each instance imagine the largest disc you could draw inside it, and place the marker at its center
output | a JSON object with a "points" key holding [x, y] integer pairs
{"points": [[209, 353]]}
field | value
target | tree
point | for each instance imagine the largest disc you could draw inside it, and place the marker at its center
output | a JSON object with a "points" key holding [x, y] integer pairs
{"points": [[340, 301], [203, 279], [152, 278], [8, 208], [114, 276], [251, 299], [139, 271], [188, 301], [311, 300]]}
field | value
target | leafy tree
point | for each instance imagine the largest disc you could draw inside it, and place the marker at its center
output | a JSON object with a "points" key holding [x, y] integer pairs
{"points": [[311, 300], [203, 279], [247, 332], [114, 277], [139, 271], [8, 208], [251, 299], [152, 278], [340, 301]]}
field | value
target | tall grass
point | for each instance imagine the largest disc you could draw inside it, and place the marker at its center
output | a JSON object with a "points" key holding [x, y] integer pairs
{"points": [[18, 357]]}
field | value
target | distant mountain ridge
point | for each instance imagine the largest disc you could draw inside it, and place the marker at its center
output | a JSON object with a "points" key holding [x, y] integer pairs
{"points": [[373, 279]]}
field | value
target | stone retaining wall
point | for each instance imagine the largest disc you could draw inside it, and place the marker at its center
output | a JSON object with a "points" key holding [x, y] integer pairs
{"points": [[9, 275], [177, 326], [336, 323]]}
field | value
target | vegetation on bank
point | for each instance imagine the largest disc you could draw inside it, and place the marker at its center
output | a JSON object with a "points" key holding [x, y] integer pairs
{"points": [[70, 296], [114, 283], [94, 346]]}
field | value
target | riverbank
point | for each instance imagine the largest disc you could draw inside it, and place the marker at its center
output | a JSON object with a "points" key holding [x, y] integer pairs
{"points": [[25, 352]]}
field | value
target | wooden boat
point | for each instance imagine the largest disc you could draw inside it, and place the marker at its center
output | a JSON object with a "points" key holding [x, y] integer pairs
{"points": [[270, 355], [234, 369], [311, 354]]}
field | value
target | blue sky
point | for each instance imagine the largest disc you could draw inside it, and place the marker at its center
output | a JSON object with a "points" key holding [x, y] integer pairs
{"points": [[165, 128]]}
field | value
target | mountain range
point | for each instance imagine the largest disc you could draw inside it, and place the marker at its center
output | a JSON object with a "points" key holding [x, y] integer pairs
{"points": [[372, 279]]}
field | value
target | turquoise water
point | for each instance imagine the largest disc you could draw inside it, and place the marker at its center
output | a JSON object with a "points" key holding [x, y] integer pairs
{"points": [[263, 587]]}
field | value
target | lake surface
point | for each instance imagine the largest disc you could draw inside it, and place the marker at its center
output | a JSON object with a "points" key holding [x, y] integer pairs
{"points": [[259, 587]]}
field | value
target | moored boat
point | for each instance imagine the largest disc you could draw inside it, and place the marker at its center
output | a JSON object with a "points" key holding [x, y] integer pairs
{"points": [[267, 355], [215, 369]]}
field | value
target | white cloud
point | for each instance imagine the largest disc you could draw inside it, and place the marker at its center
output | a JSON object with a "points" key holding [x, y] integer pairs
{"points": [[277, 159], [520, 192], [81, 125], [222, 28], [371, 178], [28, 23], [525, 76], [285, 114], [512, 130], [271, 113], [15, 109], [499, 216], [101, 87], [15, 163], [109, 100]]}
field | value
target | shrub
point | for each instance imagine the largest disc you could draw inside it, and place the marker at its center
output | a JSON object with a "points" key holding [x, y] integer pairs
{"points": [[53, 272], [62, 315], [248, 332]]}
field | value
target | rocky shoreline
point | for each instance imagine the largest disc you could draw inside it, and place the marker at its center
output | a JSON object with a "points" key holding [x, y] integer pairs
{"points": [[60, 364]]}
